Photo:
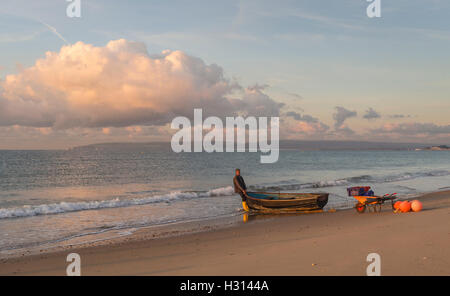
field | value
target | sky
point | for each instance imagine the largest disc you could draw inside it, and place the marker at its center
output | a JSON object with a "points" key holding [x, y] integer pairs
{"points": [[124, 69]]}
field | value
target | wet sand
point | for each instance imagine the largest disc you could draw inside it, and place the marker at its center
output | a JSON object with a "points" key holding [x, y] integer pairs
{"points": [[309, 244]]}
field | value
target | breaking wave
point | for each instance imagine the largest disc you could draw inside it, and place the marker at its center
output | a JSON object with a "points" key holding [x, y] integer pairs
{"points": [[287, 185], [357, 180], [64, 207]]}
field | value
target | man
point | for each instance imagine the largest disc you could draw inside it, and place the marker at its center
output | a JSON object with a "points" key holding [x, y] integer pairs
{"points": [[240, 187]]}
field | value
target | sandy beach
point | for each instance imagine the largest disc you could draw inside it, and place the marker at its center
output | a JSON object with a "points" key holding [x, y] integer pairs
{"points": [[310, 244]]}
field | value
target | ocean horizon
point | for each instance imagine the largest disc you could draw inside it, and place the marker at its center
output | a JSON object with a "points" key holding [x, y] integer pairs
{"points": [[284, 144]]}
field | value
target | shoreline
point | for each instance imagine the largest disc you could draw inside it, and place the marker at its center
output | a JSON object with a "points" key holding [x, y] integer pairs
{"points": [[148, 232], [329, 243], [156, 231]]}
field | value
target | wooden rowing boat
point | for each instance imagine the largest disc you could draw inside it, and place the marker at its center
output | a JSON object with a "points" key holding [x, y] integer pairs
{"points": [[286, 202]]}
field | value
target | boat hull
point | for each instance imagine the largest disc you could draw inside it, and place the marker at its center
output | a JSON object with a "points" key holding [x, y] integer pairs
{"points": [[290, 202]]}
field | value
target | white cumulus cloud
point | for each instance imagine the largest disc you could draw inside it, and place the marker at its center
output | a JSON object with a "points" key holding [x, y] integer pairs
{"points": [[121, 85]]}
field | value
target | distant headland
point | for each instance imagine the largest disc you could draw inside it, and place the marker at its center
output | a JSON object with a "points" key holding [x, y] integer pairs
{"points": [[437, 148]]}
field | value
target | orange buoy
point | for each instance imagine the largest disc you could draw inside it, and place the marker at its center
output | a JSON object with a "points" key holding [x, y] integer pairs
{"points": [[405, 206], [416, 206], [397, 205]]}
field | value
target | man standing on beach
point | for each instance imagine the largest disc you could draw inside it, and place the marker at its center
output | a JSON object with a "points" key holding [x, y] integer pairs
{"points": [[240, 187]]}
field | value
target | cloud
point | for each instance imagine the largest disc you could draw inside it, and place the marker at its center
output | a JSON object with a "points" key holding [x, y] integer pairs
{"points": [[295, 95], [121, 85], [299, 129], [320, 19], [300, 117], [257, 87], [255, 103], [341, 115], [296, 125], [344, 131], [413, 129], [371, 114], [19, 137], [14, 37], [310, 128], [397, 116]]}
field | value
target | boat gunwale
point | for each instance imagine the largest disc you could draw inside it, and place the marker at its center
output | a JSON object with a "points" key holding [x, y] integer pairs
{"points": [[302, 196]]}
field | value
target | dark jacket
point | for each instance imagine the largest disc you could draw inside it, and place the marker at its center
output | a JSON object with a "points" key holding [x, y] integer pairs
{"points": [[239, 184]]}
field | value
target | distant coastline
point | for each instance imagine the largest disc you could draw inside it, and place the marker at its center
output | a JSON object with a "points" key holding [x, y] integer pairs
{"points": [[436, 148], [287, 145]]}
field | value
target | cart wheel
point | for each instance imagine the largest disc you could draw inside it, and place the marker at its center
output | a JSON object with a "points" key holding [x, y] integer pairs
{"points": [[360, 208]]}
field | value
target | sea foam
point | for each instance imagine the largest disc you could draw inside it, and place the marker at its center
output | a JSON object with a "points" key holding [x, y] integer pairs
{"points": [[64, 207]]}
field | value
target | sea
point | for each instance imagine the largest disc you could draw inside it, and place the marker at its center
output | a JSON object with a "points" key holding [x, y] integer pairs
{"points": [[53, 198]]}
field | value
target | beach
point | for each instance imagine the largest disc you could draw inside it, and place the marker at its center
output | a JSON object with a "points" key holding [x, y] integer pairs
{"points": [[328, 243]]}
